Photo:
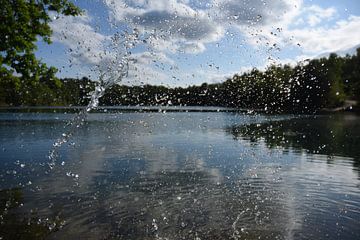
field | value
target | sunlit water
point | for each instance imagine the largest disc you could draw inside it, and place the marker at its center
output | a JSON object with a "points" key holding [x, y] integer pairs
{"points": [[179, 175]]}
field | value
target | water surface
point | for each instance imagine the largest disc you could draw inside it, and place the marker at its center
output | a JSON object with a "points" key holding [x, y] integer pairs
{"points": [[181, 175]]}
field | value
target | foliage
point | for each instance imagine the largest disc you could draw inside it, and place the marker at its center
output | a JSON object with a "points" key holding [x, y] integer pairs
{"points": [[306, 88], [24, 80], [22, 75]]}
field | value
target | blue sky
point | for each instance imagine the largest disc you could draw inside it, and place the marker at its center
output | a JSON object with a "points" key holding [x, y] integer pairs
{"points": [[186, 42]]}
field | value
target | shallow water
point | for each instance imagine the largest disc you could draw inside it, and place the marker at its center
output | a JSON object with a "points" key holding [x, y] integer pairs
{"points": [[179, 175]]}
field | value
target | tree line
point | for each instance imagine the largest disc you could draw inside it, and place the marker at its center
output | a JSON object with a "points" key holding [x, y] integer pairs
{"points": [[24, 79], [305, 88]]}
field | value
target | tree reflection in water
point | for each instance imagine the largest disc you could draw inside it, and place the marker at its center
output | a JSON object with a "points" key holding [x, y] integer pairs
{"points": [[332, 135]]}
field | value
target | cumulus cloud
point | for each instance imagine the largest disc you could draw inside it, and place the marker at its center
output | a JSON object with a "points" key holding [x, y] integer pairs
{"points": [[140, 74], [255, 12], [151, 58], [144, 68], [187, 27], [193, 47], [257, 19], [343, 35], [260, 22], [92, 51], [317, 14], [179, 27], [84, 43], [171, 27], [291, 23]]}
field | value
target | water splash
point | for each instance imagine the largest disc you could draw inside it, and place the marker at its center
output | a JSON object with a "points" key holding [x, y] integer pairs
{"points": [[112, 70], [236, 233]]}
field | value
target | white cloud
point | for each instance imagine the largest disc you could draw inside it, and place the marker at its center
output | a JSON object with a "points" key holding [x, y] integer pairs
{"points": [[93, 52], [193, 47], [178, 27], [295, 24], [142, 68], [181, 26], [140, 74], [255, 12], [260, 22], [344, 34], [317, 14], [152, 57], [84, 43]]}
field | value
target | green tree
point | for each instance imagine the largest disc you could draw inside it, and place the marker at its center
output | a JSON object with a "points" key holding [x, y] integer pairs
{"points": [[334, 73], [23, 23], [355, 75]]}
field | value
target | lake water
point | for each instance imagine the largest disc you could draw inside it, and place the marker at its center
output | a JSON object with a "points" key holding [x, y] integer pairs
{"points": [[181, 175]]}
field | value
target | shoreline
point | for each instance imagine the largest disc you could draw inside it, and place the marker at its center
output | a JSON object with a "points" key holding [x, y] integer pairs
{"points": [[346, 108]]}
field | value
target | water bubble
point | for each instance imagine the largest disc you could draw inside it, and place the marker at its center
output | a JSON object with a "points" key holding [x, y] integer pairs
{"points": [[154, 225]]}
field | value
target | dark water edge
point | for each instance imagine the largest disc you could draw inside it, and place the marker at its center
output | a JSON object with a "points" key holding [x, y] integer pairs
{"points": [[169, 108], [101, 109], [181, 175]]}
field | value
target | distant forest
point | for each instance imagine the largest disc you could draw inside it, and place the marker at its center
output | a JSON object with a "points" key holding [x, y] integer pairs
{"points": [[306, 88]]}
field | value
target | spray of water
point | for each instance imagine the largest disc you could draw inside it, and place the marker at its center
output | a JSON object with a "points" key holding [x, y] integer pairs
{"points": [[111, 70]]}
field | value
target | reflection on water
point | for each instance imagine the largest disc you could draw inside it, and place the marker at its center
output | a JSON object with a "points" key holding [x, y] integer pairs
{"points": [[336, 135], [187, 175]]}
